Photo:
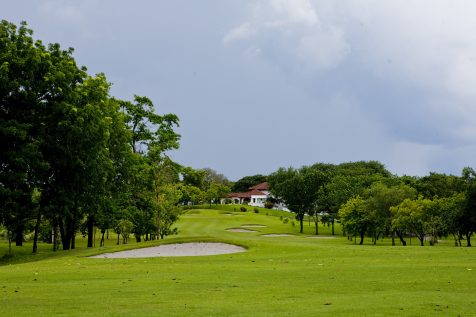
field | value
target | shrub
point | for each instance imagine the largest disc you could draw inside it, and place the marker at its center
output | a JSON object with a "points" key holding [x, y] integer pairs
{"points": [[256, 210], [268, 205], [243, 209], [286, 220]]}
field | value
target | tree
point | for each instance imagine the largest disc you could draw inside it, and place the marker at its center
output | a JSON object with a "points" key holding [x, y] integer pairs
{"points": [[212, 176], [38, 86], [299, 190], [71, 154], [194, 177], [190, 194], [452, 212], [168, 196], [379, 199], [152, 136], [215, 192], [468, 223], [336, 192], [439, 185], [244, 184], [355, 218], [123, 228], [410, 216]]}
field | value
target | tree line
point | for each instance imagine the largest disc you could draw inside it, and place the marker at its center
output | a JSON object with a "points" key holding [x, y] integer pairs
{"points": [[369, 201], [73, 157]]}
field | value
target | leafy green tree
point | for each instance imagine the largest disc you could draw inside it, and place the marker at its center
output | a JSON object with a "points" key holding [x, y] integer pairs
{"points": [[354, 218], [410, 216], [168, 196], [299, 190], [190, 194], [215, 192], [123, 228], [212, 176], [194, 177], [452, 211], [338, 191], [38, 87], [152, 136], [243, 184], [379, 199], [439, 185], [468, 223]]}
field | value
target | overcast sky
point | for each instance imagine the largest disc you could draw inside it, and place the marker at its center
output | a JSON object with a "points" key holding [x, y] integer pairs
{"points": [[260, 85]]}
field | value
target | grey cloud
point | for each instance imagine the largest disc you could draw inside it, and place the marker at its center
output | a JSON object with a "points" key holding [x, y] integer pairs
{"points": [[264, 84]]}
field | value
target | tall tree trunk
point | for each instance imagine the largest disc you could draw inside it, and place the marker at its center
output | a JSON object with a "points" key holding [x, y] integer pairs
{"points": [[332, 222], [456, 239], [73, 228], [118, 236], [361, 239], [400, 236], [37, 228], [159, 229], [19, 235], [316, 222], [90, 226], [422, 240], [55, 234], [9, 233], [301, 224], [393, 238], [65, 238], [468, 239], [101, 243]]}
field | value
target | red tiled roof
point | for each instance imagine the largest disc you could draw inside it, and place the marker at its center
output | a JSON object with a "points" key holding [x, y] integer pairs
{"points": [[261, 186], [253, 192]]}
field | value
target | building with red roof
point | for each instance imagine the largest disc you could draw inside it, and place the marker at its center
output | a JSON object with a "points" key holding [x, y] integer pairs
{"points": [[256, 196]]}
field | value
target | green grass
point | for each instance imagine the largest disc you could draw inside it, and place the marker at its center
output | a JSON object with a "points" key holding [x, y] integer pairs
{"points": [[277, 276]]}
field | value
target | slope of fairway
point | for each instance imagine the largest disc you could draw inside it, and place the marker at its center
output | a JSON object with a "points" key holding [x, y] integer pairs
{"points": [[276, 276]]}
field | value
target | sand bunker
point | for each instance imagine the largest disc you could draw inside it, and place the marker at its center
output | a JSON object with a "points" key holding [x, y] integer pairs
{"points": [[240, 230], [253, 226], [180, 249], [278, 235]]}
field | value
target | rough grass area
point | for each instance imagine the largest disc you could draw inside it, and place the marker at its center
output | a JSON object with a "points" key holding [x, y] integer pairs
{"points": [[282, 276]]}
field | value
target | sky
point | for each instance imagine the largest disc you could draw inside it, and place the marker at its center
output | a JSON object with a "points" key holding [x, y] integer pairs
{"points": [[264, 84]]}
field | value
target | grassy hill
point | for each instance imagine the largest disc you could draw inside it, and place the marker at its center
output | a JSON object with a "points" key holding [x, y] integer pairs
{"points": [[292, 275]]}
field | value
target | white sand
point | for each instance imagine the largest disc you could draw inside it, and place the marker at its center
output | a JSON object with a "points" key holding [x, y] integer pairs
{"points": [[240, 230], [179, 249]]}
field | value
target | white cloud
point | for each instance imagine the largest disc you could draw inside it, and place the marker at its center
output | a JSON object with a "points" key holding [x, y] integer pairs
{"points": [[295, 30], [294, 11], [429, 43], [322, 49], [240, 32]]}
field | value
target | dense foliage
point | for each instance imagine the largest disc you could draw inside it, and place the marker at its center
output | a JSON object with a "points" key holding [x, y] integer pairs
{"points": [[74, 158], [370, 201]]}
